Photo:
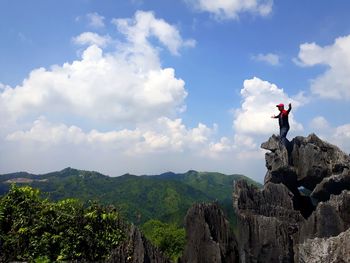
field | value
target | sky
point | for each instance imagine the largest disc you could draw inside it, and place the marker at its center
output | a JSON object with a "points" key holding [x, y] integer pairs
{"points": [[146, 87]]}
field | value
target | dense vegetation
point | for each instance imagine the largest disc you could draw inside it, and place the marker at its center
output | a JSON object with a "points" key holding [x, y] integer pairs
{"points": [[158, 204], [168, 237], [165, 197], [35, 229]]}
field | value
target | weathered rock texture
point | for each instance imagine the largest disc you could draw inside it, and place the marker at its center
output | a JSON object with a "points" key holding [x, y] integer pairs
{"points": [[209, 238], [328, 250], [302, 214], [136, 249], [311, 162], [281, 224], [266, 221], [329, 219]]}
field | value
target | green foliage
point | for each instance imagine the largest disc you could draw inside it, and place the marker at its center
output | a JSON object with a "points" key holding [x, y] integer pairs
{"points": [[39, 230], [168, 237], [35, 229], [165, 197]]}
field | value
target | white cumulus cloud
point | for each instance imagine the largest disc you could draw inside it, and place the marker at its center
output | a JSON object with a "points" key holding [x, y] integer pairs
{"points": [[338, 135], [259, 103], [341, 137], [319, 123], [115, 111], [269, 58], [44, 132], [121, 106], [162, 135], [128, 85], [126, 88], [252, 122], [244, 142], [224, 145], [161, 145], [231, 9], [90, 38], [334, 83], [95, 20], [145, 25]]}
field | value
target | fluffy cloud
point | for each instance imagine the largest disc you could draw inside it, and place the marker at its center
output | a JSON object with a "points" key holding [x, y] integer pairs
{"points": [[162, 135], [44, 132], [341, 137], [259, 103], [145, 25], [319, 123], [100, 86], [95, 20], [125, 86], [90, 38], [244, 142], [162, 145], [115, 111], [252, 121], [334, 83], [222, 146], [270, 58], [230, 9], [338, 135], [123, 104]]}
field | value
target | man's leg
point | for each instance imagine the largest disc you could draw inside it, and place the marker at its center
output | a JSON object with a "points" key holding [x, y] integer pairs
{"points": [[283, 137], [284, 141]]}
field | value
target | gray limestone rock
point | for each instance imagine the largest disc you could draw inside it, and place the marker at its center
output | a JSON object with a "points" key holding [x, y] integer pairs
{"points": [[329, 219], [209, 238], [278, 165], [266, 222], [329, 250], [310, 161], [278, 156], [136, 249], [314, 160], [271, 229], [282, 222], [313, 164], [333, 184]]}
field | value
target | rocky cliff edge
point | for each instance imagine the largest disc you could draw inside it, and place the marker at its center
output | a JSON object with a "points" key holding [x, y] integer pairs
{"points": [[302, 214]]}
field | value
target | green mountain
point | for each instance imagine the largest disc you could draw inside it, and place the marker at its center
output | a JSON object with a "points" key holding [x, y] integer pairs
{"points": [[165, 197]]}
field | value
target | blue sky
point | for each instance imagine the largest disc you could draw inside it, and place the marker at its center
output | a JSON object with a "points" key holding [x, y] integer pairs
{"points": [[151, 86]]}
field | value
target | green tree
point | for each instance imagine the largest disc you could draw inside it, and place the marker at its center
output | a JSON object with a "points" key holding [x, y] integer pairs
{"points": [[168, 237], [35, 229]]}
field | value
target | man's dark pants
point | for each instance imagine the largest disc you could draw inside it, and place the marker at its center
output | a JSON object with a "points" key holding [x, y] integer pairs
{"points": [[283, 136]]}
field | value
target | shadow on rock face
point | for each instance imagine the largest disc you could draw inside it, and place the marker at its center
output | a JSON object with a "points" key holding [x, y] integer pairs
{"points": [[302, 214], [310, 162], [266, 222], [209, 237]]}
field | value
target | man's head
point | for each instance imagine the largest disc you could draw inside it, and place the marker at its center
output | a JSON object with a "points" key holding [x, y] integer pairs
{"points": [[280, 106]]}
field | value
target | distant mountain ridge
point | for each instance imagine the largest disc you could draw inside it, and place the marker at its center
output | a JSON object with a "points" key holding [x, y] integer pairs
{"points": [[166, 197]]}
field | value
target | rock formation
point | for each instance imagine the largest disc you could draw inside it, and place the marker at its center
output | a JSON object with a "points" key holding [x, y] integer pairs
{"points": [[280, 223], [266, 222], [329, 219], [329, 250], [209, 238], [302, 214], [313, 164], [136, 249]]}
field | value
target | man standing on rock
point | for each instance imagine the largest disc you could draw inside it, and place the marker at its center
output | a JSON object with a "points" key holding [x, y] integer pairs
{"points": [[283, 122]]}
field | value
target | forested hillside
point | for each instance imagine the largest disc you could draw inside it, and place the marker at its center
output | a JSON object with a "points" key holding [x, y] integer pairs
{"points": [[164, 197]]}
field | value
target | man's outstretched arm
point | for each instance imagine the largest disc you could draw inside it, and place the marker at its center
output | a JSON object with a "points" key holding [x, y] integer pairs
{"points": [[289, 107]]}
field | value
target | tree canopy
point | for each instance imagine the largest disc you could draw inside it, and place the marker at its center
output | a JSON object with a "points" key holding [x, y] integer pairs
{"points": [[35, 229]]}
